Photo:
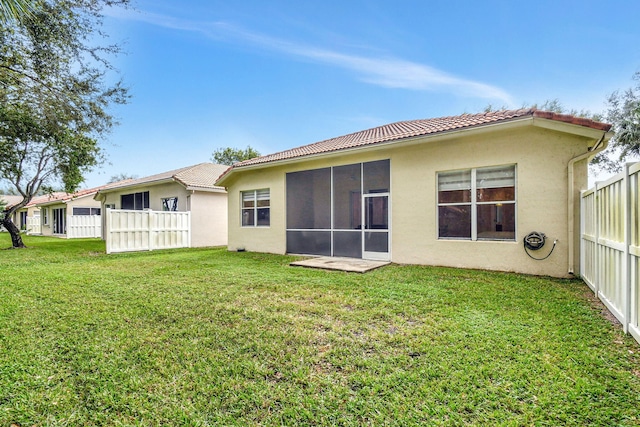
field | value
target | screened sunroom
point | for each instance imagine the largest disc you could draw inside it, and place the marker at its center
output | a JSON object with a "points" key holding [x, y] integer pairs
{"points": [[340, 211]]}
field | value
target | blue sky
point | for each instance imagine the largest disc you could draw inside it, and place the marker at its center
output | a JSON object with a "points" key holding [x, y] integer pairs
{"points": [[277, 74]]}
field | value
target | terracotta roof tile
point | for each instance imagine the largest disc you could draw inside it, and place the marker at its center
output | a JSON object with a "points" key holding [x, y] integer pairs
{"points": [[10, 199], [60, 197], [413, 128]]}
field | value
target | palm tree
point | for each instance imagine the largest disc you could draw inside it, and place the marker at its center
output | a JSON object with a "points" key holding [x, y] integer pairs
{"points": [[15, 10]]}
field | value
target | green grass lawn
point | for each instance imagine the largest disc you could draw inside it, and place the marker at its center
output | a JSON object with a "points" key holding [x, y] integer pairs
{"points": [[206, 337]]}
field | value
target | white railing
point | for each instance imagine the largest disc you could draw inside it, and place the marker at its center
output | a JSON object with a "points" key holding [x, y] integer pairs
{"points": [[84, 226], [130, 230], [33, 225], [610, 245]]}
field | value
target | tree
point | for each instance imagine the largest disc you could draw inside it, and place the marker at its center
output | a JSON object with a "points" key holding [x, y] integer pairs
{"points": [[121, 177], [555, 106], [624, 115], [54, 99], [601, 160], [15, 10], [11, 191], [229, 156]]}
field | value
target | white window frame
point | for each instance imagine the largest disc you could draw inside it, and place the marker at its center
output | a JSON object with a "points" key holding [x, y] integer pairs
{"points": [[45, 216], [145, 196], [474, 203], [92, 211], [261, 194], [166, 207]]}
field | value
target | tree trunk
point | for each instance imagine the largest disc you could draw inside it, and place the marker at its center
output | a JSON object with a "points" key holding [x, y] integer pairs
{"points": [[14, 231]]}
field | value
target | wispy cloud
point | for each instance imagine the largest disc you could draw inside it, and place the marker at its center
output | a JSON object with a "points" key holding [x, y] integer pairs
{"points": [[381, 71]]}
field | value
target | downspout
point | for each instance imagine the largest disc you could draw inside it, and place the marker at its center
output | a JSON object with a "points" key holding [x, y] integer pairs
{"points": [[598, 147]]}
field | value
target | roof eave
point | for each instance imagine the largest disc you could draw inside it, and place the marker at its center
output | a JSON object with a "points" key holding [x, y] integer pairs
{"points": [[571, 128], [64, 201], [139, 185], [444, 135], [206, 189]]}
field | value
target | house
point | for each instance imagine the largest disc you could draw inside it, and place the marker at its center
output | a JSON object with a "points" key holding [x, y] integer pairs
{"points": [[190, 188], [28, 218], [69, 215], [10, 200], [53, 214], [459, 191]]}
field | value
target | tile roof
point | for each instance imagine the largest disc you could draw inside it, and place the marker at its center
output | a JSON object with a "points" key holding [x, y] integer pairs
{"points": [[58, 196], [10, 199], [61, 197], [202, 175], [45, 198], [413, 128]]}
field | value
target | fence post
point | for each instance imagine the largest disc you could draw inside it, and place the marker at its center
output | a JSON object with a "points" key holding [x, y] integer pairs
{"points": [[150, 218], [107, 230], [626, 272], [188, 229], [596, 219], [582, 228]]}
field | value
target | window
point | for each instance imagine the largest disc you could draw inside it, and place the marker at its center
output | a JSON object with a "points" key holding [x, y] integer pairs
{"points": [[255, 208], [23, 220], [135, 201], [59, 221], [170, 204], [86, 211], [45, 216], [109, 205], [477, 204]]}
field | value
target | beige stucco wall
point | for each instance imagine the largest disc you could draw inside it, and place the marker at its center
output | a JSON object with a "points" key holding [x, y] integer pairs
{"points": [[259, 239], [208, 209], [208, 219], [541, 157], [30, 210], [47, 229]]}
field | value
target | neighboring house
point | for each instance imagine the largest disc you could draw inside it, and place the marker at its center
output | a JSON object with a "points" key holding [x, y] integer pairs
{"points": [[458, 191], [188, 189], [54, 213], [62, 211], [12, 200], [28, 218]]}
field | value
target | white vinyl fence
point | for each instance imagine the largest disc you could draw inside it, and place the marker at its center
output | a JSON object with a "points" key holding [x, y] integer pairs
{"points": [[610, 245], [84, 226], [33, 225], [129, 230]]}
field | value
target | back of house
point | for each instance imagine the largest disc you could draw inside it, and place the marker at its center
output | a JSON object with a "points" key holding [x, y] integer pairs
{"points": [[461, 191]]}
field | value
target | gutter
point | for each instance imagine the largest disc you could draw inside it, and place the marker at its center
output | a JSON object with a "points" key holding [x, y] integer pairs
{"points": [[598, 147], [216, 189]]}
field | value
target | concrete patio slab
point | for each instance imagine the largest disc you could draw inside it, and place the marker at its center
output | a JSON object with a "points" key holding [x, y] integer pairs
{"points": [[343, 264]]}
